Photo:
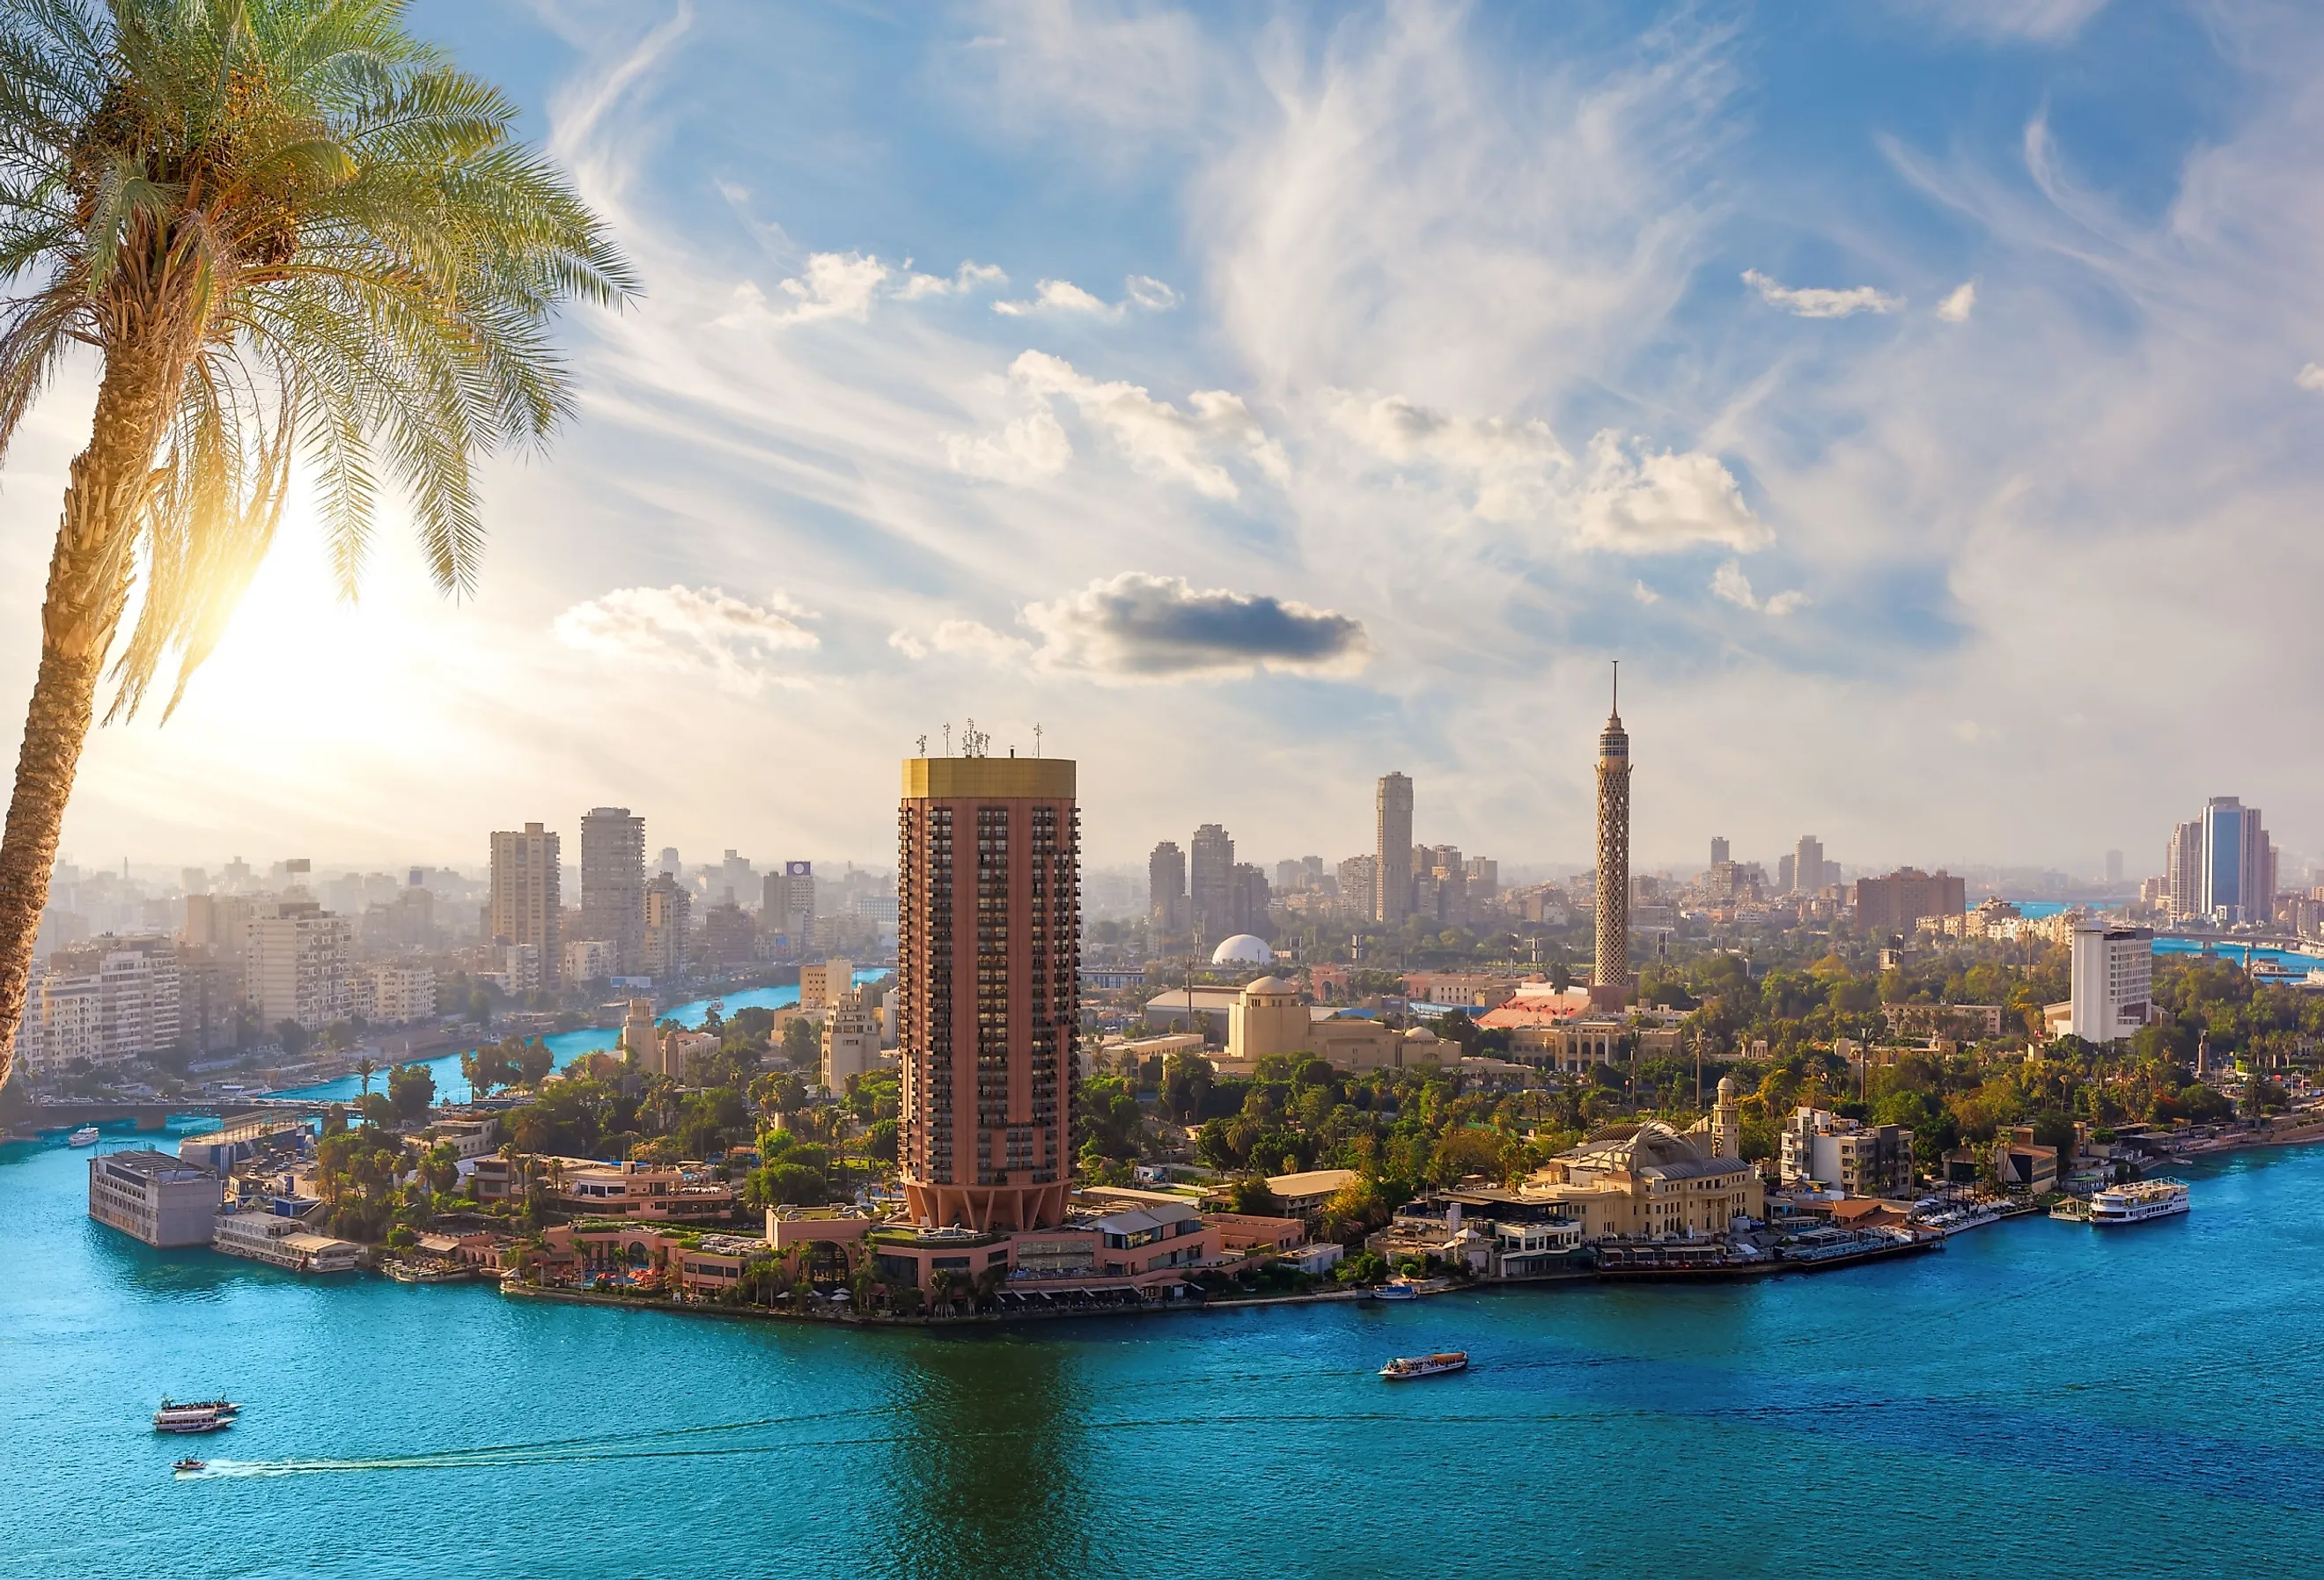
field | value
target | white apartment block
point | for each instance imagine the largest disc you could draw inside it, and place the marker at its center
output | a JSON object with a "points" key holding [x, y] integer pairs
{"points": [[1857, 1159], [105, 1002], [2112, 981], [394, 996], [587, 959], [297, 964]]}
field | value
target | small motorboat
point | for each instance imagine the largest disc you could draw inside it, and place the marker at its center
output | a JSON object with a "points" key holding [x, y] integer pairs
{"points": [[86, 1136], [1395, 1292], [188, 1466], [1435, 1365]]}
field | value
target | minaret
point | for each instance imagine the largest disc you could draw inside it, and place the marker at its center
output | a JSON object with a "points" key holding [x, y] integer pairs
{"points": [[1609, 971], [1727, 1121]]}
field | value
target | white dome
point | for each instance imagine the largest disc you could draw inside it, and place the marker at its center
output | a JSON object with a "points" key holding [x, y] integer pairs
{"points": [[1421, 1034], [1269, 984], [1242, 950]]}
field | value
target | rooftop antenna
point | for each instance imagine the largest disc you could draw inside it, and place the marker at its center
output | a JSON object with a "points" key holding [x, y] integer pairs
{"points": [[1036, 737], [923, 744], [947, 730], [1618, 687]]}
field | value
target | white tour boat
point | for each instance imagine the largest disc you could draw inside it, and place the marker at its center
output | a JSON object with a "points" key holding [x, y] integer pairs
{"points": [[2137, 1203], [1404, 1366], [209, 1416], [86, 1136]]}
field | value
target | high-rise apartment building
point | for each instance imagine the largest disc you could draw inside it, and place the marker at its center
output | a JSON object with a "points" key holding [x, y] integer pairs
{"points": [[668, 908], [1720, 850], [1786, 872], [2112, 867], [1392, 850], [105, 1000], [1359, 878], [613, 882], [2182, 871], [1247, 899], [297, 964], [2239, 881], [1610, 965], [988, 954], [1896, 903], [1165, 887], [1807, 867], [525, 907], [1211, 882]]}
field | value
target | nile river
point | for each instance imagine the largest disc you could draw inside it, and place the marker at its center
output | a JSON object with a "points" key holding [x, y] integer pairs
{"points": [[2041, 1399]]}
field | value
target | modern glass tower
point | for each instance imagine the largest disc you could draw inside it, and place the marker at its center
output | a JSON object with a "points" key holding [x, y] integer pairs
{"points": [[988, 956]]}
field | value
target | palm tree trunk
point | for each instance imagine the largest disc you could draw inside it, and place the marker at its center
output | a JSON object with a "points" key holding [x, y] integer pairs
{"points": [[88, 584]]}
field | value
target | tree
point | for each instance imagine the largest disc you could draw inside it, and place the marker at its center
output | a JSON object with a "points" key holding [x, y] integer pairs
{"points": [[287, 228], [1250, 1195], [412, 1088], [366, 1068], [295, 1039]]}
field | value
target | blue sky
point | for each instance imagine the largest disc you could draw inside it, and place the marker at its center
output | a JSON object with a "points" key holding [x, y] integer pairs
{"points": [[1911, 395]]}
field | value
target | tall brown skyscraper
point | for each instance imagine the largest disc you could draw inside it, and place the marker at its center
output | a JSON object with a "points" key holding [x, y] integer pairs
{"points": [[1610, 968], [613, 882], [988, 951]]}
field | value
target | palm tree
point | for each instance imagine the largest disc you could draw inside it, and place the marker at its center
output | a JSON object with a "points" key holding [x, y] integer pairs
{"points": [[286, 227], [366, 1068]]}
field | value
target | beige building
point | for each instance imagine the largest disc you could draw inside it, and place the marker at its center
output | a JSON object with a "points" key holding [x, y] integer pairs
{"points": [[1268, 1016], [850, 1040], [1845, 1154], [667, 908], [1655, 1182], [822, 986], [640, 1042], [297, 964], [525, 907]]}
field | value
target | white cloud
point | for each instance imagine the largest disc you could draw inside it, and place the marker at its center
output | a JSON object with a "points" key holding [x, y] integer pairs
{"points": [[834, 285], [1814, 302], [1958, 302], [1063, 296], [1026, 450], [702, 630], [1644, 594], [1150, 293], [2034, 21], [1730, 583], [2310, 378], [1646, 504], [969, 277], [1156, 438]]}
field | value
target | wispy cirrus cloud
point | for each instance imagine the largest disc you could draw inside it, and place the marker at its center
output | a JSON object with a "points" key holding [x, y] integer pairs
{"points": [[844, 285], [704, 631], [1729, 584], [1816, 301]]}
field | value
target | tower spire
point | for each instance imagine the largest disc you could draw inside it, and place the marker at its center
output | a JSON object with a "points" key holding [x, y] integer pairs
{"points": [[1617, 710]]}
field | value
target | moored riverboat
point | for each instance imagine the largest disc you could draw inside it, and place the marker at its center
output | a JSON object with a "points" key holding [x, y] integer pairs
{"points": [[211, 1415], [1409, 1366], [2139, 1201]]}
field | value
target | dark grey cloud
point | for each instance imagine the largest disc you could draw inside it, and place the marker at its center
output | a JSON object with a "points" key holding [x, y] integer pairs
{"points": [[1141, 627]]}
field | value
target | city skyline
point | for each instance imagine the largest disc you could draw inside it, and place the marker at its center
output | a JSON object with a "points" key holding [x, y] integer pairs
{"points": [[1158, 464]]}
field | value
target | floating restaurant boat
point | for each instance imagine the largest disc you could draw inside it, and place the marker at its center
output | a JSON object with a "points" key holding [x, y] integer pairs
{"points": [[2137, 1202], [211, 1415], [86, 1136], [1443, 1360]]}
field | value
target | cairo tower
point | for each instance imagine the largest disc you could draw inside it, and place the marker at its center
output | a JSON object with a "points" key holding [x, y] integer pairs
{"points": [[1609, 970]]}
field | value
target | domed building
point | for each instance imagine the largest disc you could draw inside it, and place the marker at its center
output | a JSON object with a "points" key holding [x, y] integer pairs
{"points": [[1243, 949], [1654, 1183]]}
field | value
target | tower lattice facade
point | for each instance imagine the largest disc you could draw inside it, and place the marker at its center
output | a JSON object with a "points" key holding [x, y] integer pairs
{"points": [[1612, 966]]}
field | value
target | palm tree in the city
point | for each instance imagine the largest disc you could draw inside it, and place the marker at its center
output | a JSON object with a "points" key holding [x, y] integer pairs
{"points": [[366, 1068], [286, 229]]}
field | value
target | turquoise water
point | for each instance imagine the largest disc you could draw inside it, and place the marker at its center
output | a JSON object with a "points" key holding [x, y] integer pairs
{"points": [[452, 1087], [2040, 1399]]}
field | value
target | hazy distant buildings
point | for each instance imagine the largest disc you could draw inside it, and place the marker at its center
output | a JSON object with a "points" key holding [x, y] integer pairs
{"points": [[1392, 850], [525, 908], [1807, 867], [614, 884], [1359, 878], [1897, 902], [2182, 871], [1609, 966], [1719, 851], [103, 1002], [788, 907], [1211, 882], [1165, 887], [669, 907]]}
